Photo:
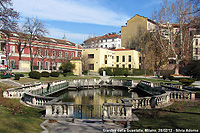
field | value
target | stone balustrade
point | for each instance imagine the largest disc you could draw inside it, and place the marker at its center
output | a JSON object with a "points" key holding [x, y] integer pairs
{"points": [[117, 111], [56, 109], [13, 93], [182, 95], [35, 100]]}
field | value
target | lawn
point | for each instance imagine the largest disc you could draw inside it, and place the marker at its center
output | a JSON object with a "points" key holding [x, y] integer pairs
{"points": [[16, 118], [61, 77], [180, 115], [147, 79]]}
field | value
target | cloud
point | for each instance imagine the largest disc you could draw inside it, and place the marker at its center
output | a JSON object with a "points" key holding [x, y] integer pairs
{"points": [[73, 37], [79, 11]]}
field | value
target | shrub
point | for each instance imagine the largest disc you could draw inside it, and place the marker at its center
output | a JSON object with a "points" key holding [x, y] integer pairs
{"points": [[54, 74], [186, 82], [35, 75], [35, 67], [17, 77], [171, 78], [64, 74], [85, 72], [67, 67], [164, 77], [45, 74]]}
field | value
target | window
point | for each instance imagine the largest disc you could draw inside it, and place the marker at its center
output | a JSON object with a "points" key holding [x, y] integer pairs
{"points": [[46, 52], [106, 61], [129, 58], [60, 53], [196, 51], [12, 49], [106, 46], [123, 66], [72, 54], [38, 64], [46, 65], [3, 62], [39, 51], [12, 62], [106, 56], [91, 66], [196, 42], [53, 53], [79, 54], [113, 39], [129, 66], [117, 58], [90, 55], [66, 54], [123, 58], [113, 45], [195, 57], [117, 66]]}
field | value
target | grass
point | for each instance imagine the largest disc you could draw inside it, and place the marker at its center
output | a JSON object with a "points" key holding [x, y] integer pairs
{"points": [[61, 77], [147, 79], [180, 115], [16, 118]]}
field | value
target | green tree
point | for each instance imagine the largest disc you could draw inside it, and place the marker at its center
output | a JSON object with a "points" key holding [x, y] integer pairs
{"points": [[67, 67]]}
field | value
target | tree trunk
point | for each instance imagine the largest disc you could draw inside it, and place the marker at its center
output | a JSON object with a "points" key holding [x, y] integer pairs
{"points": [[177, 67], [31, 56]]}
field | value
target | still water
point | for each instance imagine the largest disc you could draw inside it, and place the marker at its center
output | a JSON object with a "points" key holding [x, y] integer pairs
{"points": [[88, 102]]}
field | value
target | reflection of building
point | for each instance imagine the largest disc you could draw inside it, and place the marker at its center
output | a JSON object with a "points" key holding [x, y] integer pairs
{"points": [[48, 53], [100, 57], [110, 40]]}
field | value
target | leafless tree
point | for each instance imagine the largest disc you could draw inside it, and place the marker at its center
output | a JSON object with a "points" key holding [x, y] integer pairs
{"points": [[33, 29], [85, 62], [8, 16], [173, 30]]}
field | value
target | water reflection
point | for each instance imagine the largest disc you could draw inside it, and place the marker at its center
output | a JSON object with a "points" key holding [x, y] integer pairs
{"points": [[97, 96]]}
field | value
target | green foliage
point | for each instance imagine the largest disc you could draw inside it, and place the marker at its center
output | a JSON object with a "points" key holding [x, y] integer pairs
{"points": [[186, 82], [35, 67], [110, 71], [164, 77], [85, 72], [192, 69], [67, 67], [138, 72], [171, 78], [45, 74], [54, 74], [68, 74], [17, 77], [34, 75]]}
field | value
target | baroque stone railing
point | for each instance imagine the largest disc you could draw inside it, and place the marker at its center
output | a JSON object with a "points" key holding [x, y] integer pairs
{"points": [[35, 100], [117, 111], [56, 109], [159, 101]]}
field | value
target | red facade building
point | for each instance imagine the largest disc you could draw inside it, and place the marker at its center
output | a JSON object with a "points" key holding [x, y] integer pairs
{"points": [[48, 53]]}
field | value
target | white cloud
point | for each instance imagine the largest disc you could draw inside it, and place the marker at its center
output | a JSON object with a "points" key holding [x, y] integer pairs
{"points": [[70, 10], [59, 33]]}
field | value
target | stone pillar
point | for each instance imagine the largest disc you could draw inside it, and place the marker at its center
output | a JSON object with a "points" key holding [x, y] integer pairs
{"points": [[192, 96], [48, 111], [71, 110]]}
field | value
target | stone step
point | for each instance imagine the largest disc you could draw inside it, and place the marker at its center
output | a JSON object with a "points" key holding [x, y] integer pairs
{"points": [[10, 82]]}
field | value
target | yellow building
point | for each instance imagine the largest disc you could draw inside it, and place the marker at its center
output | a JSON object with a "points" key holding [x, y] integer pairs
{"points": [[133, 26], [101, 57], [126, 58]]}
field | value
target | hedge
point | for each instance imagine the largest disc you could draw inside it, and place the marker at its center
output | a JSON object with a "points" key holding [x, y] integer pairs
{"points": [[35, 75], [54, 74], [45, 74]]}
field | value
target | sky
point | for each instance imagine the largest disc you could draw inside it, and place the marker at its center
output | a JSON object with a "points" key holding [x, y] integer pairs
{"points": [[81, 19]]}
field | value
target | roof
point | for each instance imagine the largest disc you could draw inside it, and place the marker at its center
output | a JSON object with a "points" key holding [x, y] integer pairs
{"points": [[106, 36], [121, 49], [40, 38]]}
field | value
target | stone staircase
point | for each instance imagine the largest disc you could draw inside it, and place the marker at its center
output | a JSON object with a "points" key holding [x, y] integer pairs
{"points": [[10, 82]]}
